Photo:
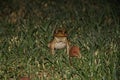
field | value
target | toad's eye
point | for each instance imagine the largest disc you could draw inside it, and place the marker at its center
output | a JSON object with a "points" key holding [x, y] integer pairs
{"points": [[65, 32]]}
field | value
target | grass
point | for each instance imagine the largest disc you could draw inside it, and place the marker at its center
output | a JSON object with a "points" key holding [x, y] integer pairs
{"points": [[94, 26]]}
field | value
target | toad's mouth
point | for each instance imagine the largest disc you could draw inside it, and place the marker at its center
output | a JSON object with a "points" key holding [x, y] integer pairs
{"points": [[60, 41]]}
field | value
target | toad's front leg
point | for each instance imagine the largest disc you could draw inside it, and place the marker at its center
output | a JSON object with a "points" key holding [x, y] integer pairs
{"points": [[51, 45], [53, 48], [68, 47]]}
